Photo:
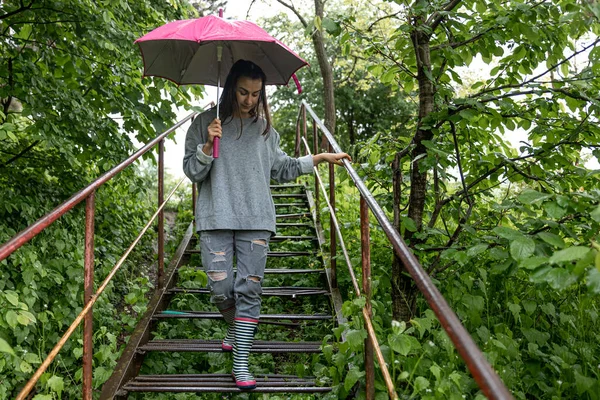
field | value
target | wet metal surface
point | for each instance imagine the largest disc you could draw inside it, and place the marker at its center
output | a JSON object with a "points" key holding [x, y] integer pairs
{"points": [[218, 315], [214, 346], [222, 383], [267, 291]]}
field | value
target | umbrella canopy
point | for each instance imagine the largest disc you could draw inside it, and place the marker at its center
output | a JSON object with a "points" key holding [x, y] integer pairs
{"points": [[185, 51]]}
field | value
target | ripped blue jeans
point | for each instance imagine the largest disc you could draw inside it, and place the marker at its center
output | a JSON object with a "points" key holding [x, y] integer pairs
{"points": [[218, 248]]}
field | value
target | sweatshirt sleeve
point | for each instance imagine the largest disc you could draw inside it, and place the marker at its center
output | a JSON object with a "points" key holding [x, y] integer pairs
{"points": [[286, 168], [196, 164]]}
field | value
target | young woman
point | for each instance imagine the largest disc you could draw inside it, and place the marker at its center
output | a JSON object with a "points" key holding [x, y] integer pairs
{"points": [[235, 211]]}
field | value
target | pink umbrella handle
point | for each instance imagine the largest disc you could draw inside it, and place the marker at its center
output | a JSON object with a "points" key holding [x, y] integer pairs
{"points": [[216, 147], [297, 82]]}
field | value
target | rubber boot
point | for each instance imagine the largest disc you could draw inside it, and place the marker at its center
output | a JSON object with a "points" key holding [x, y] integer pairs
{"points": [[229, 317], [245, 328]]}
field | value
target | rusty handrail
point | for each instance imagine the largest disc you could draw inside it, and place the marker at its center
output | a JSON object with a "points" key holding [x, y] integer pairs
{"points": [[487, 379], [32, 230], [54, 352], [366, 311], [88, 193]]}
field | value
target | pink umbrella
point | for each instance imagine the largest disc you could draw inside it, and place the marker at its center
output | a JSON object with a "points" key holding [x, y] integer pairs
{"points": [[202, 51]]}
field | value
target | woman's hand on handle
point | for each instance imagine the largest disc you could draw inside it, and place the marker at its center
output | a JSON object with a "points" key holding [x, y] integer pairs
{"points": [[214, 131], [332, 158]]}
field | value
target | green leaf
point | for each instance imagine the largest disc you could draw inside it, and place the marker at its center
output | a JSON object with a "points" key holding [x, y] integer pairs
{"points": [[507, 233], [560, 279], [409, 224], [529, 196], [515, 309], [529, 306], [11, 318], [593, 280], [32, 358], [522, 248], [477, 249], [356, 338], [56, 384], [554, 210], [12, 297], [533, 262], [596, 214], [583, 383], [569, 254], [43, 397], [25, 367], [552, 239], [421, 383], [400, 343], [5, 347], [352, 377]]}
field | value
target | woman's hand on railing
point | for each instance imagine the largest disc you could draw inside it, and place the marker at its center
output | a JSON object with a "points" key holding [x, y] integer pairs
{"points": [[332, 158]]}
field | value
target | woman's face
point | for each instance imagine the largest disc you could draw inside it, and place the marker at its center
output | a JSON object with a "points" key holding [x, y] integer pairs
{"points": [[247, 93]]}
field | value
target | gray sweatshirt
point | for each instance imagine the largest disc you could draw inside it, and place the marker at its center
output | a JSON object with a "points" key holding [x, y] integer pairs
{"points": [[233, 190]]}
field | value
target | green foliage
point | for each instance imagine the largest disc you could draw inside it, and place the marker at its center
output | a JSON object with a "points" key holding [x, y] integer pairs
{"points": [[73, 99]]}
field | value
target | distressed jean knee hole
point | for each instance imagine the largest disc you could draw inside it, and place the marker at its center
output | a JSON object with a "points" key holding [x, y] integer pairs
{"points": [[254, 278], [216, 276], [261, 242], [218, 256]]}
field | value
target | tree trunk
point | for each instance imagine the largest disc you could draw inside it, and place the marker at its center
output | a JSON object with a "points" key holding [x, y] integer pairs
{"points": [[351, 127], [404, 291], [418, 178], [404, 294], [326, 71]]}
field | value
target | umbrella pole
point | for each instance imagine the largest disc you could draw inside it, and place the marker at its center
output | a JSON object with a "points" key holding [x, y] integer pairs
{"points": [[217, 140]]}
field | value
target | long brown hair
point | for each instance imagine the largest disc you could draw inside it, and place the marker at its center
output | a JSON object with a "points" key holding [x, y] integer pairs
{"points": [[228, 103]]}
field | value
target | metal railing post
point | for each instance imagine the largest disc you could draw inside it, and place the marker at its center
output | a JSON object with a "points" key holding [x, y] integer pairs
{"points": [[194, 197], [297, 148], [88, 292], [332, 237], [304, 124], [161, 215], [365, 241], [316, 151]]}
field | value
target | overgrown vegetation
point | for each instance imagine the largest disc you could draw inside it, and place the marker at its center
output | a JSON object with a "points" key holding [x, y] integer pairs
{"points": [[508, 231]]}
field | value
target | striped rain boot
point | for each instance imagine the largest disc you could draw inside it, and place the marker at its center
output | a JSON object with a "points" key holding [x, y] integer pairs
{"points": [[228, 316], [245, 328]]}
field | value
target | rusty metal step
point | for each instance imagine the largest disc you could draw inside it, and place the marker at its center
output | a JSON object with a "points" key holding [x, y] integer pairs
{"points": [[283, 271], [267, 291], [293, 271], [298, 204], [222, 383], [289, 195], [290, 253], [214, 346], [277, 238], [287, 186], [294, 224], [217, 315], [271, 253], [291, 216]]}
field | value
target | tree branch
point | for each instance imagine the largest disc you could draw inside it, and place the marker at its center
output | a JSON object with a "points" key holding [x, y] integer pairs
{"points": [[18, 10], [535, 78], [464, 42], [437, 17], [291, 7], [17, 156], [381, 19]]}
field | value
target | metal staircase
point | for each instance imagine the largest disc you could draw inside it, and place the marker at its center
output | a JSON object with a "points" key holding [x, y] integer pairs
{"points": [[294, 260]]}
